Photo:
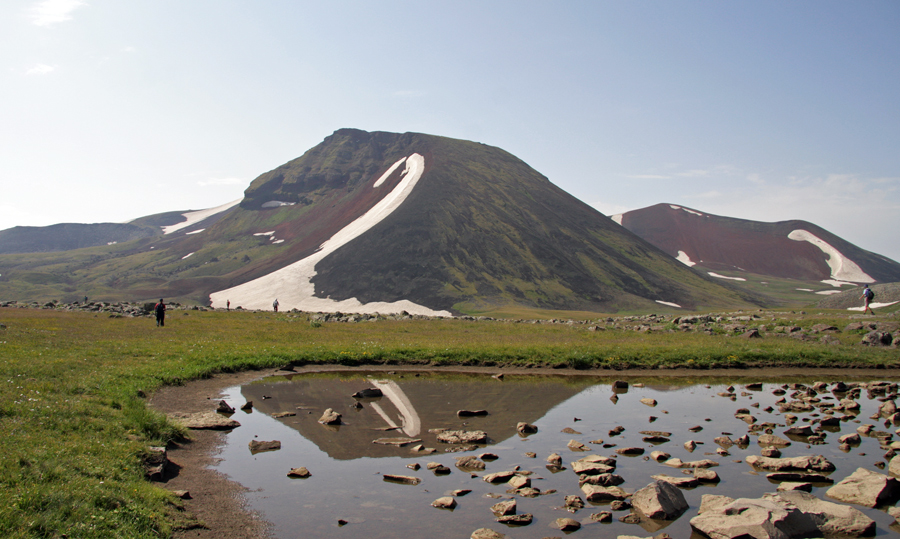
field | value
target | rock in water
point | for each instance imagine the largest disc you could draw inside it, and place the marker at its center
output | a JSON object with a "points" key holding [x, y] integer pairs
{"points": [[864, 487], [330, 417], [660, 500]]}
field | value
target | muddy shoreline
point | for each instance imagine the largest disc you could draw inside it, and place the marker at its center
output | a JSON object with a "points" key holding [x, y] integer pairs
{"points": [[219, 503]]}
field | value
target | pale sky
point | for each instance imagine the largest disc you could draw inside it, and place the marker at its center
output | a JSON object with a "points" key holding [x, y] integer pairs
{"points": [[112, 110]]}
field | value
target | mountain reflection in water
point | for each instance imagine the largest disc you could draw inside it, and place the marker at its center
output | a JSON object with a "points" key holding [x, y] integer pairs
{"points": [[411, 406]]}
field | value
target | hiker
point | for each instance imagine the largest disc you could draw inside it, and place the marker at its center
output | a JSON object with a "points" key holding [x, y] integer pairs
{"points": [[275, 305], [227, 304], [160, 310], [868, 296]]}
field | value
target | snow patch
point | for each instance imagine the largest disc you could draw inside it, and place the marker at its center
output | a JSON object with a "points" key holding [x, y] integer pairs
{"points": [[265, 233], [276, 204], [617, 218], [716, 275], [828, 292], [668, 303], [277, 241], [684, 259], [292, 284], [838, 284], [842, 268], [872, 306], [194, 232], [674, 207], [193, 217], [388, 173], [805, 289], [187, 255], [692, 211], [111, 242]]}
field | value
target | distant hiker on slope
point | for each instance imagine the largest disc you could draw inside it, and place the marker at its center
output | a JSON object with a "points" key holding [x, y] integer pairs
{"points": [[275, 305], [868, 296], [228, 305], [160, 310]]}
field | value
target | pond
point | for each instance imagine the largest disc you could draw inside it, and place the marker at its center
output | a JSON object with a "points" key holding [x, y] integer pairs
{"points": [[347, 494]]}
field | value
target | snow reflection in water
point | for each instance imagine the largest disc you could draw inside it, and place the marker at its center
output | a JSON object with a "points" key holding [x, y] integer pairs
{"points": [[347, 468]]}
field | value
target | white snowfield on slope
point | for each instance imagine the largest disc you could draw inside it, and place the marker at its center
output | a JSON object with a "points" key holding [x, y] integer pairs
{"points": [[842, 268], [292, 285], [193, 217]]}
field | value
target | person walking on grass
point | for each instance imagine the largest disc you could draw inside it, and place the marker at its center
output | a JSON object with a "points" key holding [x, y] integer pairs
{"points": [[160, 310], [868, 296], [275, 305]]}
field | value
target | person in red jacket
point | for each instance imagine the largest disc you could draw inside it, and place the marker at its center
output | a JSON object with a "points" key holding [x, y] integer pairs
{"points": [[160, 310]]}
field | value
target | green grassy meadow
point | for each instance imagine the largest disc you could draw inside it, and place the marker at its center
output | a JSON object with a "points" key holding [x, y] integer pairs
{"points": [[74, 424]]}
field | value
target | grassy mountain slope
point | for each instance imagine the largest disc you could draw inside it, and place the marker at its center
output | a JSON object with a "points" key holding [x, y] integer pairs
{"points": [[480, 231]]}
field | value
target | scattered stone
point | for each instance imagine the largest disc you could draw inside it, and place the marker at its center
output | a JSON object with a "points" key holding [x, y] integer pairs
{"points": [[566, 524], [772, 440], [516, 520], [796, 477], [368, 393], [630, 451], [279, 415], [648, 401], [575, 445], [398, 442], [679, 482], [470, 463], [300, 472], [748, 518], [506, 507], [259, 446], [471, 413], [830, 518], [247, 406], [790, 485], [816, 463], [462, 437], [569, 430], [460, 492], [597, 493], [330, 417], [574, 503], [705, 475], [525, 428], [660, 456], [604, 517], [660, 500], [499, 477], [224, 408], [437, 468], [445, 502], [554, 459], [486, 533], [206, 420], [864, 487], [402, 479], [519, 482]]}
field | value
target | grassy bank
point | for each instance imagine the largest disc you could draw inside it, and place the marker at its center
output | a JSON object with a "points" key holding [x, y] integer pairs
{"points": [[74, 424]]}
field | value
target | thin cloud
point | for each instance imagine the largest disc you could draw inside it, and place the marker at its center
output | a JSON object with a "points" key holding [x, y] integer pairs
{"points": [[40, 69], [220, 181], [647, 177], [50, 12], [408, 93], [695, 173]]}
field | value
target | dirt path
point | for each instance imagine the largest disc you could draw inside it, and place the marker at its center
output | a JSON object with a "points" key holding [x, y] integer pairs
{"points": [[220, 504]]}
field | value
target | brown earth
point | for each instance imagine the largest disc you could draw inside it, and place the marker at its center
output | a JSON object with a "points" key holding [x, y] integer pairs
{"points": [[219, 503]]}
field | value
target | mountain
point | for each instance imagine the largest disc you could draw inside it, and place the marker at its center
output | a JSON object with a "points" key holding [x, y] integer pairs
{"points": [[384, 222], [787, 249], [67, 236]]}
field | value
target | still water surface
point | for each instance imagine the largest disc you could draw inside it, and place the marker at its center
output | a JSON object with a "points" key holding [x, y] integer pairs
{"points": [[347, 467]]}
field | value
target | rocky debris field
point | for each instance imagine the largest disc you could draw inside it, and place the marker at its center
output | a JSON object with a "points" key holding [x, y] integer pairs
{"points": [[881, 331]]}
